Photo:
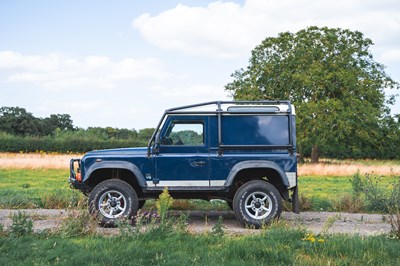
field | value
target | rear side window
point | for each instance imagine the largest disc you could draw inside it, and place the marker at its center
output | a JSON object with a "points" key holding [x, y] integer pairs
{"points": [[255, 130]]}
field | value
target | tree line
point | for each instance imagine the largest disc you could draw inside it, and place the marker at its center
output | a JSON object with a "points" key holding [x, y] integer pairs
{"points": [[21, 131]]}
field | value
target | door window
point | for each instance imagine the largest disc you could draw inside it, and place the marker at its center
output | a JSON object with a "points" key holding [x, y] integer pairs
{"points": [[187, 134]]}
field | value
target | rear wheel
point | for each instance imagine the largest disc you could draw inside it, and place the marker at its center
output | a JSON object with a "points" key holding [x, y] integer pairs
{"points": [[112, 200], [256, 203]]}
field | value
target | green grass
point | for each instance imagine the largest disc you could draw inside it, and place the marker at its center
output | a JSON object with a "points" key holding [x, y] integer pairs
{"points": [[48, 188], [275, 246], [325, 191], [35, 188]]}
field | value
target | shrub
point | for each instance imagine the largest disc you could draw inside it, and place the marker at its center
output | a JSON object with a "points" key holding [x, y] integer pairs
{"points": [[77, 223], [218, 228], [379, 197], [163, 203], [21, 225]]}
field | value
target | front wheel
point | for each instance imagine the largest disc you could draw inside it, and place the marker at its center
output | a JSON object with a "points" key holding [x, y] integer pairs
{"points": [[112, 200], [256, 203]]}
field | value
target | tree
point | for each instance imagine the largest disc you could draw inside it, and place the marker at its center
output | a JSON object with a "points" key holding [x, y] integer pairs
{"points": [[61, 121], [17, 121], [331, 77]]}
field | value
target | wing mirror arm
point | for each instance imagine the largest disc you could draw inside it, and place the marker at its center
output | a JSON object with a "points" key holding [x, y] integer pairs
{"points": [[157, 143]]}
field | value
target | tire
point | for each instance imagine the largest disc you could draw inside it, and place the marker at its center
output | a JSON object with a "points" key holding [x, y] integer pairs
{"points": [[257, 203], [111, 200]]}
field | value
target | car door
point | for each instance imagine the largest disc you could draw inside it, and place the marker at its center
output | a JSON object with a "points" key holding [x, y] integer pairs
{"points": [[182, 159]]}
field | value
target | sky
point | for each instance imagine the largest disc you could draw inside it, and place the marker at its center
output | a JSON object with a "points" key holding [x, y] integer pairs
{"points": [[122, 63]]}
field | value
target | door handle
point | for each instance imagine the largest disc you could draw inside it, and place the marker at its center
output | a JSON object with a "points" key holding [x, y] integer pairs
{"points": [[199, 163]]}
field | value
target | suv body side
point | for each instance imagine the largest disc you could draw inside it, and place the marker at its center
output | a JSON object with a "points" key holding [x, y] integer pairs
{"points": [[206, 154]]}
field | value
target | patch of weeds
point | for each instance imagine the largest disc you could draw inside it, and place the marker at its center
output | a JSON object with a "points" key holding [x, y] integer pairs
{"points": [[181, 223], [60, 200], [394, 209], [13, 200], [305, 203], [379, 197], [2, 232], [21, 225], [125, 227], [183, 205], [26, 185], [349, 203], [329, 223], [357, 184], [218, 228], [163, 204], [375, 194], [77, 223]]}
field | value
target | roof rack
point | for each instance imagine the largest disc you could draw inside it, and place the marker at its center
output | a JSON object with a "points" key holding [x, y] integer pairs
{"points": [[234, 107]]}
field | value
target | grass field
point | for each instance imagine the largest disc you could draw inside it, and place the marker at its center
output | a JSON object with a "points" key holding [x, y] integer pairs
{"points": [[277, 245], [48, 188], [36, 188], [40, 180]]}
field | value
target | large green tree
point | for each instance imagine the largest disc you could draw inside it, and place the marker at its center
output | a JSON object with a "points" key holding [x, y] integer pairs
{"points": [[333, 80]]}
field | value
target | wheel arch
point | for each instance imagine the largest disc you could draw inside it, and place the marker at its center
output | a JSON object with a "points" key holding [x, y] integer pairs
{"points": [[125, 171], [258, 170]]}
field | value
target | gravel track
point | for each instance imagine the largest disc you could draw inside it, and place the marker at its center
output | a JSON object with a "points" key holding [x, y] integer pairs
{"points": [[203, 221]]}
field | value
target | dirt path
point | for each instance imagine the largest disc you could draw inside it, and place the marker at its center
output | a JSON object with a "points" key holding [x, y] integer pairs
{"points": [[201, 221]]}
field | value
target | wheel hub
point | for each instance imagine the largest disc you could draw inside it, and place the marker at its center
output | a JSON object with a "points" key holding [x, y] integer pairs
{"points": [[258, 205], [112, 204]]}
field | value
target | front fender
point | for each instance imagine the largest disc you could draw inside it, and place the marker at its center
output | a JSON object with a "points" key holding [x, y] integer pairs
{"points": [[256, 164], [116, 165]]}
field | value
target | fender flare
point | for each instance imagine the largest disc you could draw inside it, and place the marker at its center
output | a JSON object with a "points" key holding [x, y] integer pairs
{"points": [[117, 165], [255, 164]]}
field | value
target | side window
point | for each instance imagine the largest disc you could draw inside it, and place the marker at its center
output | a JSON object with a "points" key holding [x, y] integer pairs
{"points": [[184, 133]]}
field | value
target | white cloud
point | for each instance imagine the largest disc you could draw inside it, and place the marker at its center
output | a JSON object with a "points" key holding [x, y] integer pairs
{"points": [[391, 55], [229, 30], [58, 72]]}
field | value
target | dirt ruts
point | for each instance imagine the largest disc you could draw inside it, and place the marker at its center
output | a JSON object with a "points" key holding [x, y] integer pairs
{"points": [[203, 221]]}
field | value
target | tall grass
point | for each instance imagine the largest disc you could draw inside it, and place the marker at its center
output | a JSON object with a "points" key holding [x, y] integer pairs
{"points": [[38, 160]]}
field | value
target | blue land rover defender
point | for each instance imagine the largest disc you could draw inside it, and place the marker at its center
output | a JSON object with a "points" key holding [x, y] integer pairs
{"points": [[241, 152]]}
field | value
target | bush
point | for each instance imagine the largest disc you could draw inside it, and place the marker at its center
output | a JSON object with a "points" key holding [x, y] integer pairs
{"points": [[379, 197], [77, 223], [21, 225], [163, 203]]}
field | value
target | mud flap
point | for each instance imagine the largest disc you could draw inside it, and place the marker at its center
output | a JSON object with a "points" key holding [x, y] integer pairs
{"points": [[295, 201]]}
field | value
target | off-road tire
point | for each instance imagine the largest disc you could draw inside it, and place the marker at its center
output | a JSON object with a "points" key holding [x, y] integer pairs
{"points": [[111, 200], [257, 203]]}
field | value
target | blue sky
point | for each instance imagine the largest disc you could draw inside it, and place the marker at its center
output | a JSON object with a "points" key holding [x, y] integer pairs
{"points": [[122, 63]]}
